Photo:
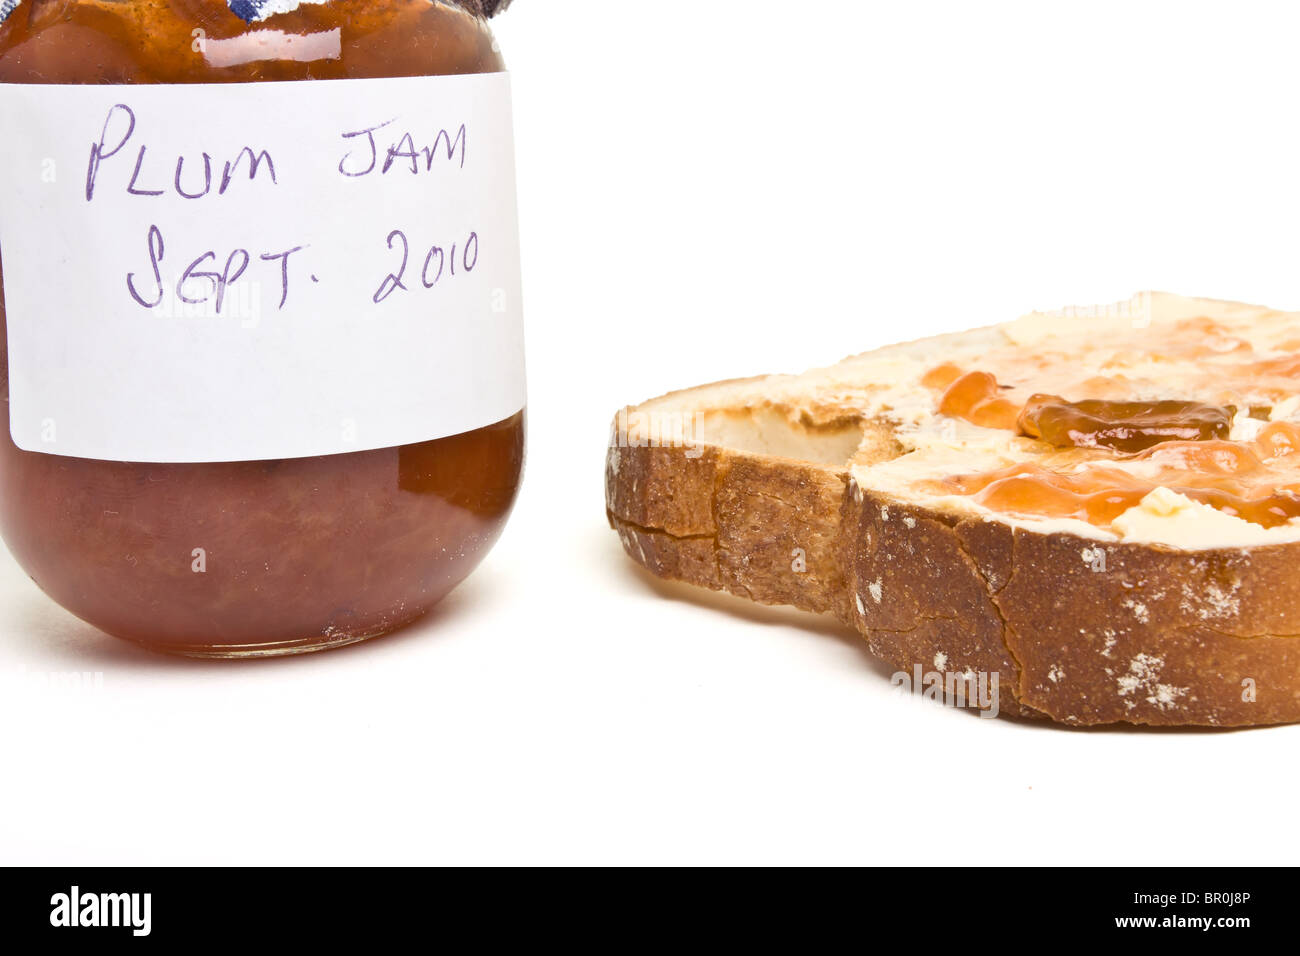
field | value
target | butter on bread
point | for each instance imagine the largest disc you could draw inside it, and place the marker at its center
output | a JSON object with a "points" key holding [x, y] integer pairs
{"points": [[1100, 504]]}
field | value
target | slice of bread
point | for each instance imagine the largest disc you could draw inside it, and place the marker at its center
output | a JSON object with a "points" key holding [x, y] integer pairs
{"points": [[1097, 505]]}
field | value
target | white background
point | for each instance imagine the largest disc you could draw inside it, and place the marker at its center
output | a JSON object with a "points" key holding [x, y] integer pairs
{"points": [[713, 190]]}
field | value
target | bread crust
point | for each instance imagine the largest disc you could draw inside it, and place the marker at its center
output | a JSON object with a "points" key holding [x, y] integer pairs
{"points": [[732, 521], [1079, 631]]}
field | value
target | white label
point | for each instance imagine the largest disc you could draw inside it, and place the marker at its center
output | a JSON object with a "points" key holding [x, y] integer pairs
{"points": [[234, 272]]}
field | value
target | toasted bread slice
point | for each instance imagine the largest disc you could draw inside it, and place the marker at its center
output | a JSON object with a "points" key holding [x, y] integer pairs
{"points": [[1101, 506]]}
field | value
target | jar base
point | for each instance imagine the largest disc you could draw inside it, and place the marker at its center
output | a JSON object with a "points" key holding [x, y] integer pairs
{"points": [[231, 652]]}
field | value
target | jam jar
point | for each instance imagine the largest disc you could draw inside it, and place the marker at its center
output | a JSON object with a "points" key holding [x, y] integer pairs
{"points": [[260, 349]]}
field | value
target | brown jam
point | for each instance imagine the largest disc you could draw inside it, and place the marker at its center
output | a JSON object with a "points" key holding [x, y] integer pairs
{"points": [[1123, 426], [301, 553]]}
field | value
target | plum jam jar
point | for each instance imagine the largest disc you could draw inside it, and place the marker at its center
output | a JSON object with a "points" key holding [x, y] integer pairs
{"points": [[261, 339]]}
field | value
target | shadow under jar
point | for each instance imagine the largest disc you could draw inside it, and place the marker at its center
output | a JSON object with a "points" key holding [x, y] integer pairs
{"points": [[276, 555]]}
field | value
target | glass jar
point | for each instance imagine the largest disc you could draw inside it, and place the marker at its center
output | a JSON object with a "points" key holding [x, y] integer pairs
{"points": [[265, 555]]}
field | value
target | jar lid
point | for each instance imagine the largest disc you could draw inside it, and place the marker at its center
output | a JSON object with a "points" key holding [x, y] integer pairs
{"points": [[487, 8], [254, 11]]}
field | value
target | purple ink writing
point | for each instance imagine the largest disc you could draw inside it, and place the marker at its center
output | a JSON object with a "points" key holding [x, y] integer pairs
{"points": [[363, 156], [120, 128]]}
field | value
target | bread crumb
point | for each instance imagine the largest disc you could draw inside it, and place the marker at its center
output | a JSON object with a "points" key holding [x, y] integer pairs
{"points": [[1055, 674], [877, 590], [1143, 679], [941, 660], [1139, 610], [884, 512], [1211, 601], [857, 599], [910, 521]]}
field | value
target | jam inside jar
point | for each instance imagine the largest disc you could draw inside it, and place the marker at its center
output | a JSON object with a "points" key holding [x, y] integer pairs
{"points": [[265, 557]]}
